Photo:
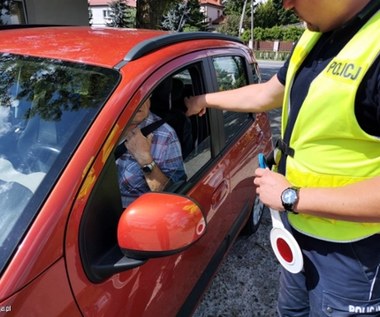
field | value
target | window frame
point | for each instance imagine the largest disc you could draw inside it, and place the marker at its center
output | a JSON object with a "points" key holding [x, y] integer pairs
{"points": [[223, 145]]}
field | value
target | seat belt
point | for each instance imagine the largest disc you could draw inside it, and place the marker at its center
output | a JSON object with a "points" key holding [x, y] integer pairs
{"points": [[121, 149]]}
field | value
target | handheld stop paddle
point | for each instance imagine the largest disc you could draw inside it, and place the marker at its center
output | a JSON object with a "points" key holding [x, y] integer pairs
{"points": [[284, 245]]}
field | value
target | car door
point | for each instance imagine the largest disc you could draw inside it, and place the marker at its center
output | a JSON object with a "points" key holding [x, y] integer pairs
{"points": [[245, 134], [104, 282], [160, 284]]}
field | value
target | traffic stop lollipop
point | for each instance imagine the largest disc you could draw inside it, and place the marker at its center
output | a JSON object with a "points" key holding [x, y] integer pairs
{"points": [[284, 245]]}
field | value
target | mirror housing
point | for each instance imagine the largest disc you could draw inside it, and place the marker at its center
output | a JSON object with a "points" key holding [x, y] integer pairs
{"points": [[159, 224]]}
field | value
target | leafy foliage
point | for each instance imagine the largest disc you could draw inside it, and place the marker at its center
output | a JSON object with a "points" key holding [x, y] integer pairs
{"points": [[52, 87], [230, 77], [230, 25], [185, 16], [271, 21], [284, 17], [173, 20], [266, 15], [233, 7], [5, 11], [196, 19], [281, 33], [233, 10], [121, 15], [149, 13]]}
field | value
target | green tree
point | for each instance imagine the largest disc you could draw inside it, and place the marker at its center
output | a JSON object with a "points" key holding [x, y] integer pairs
{"points": [[230, 25], [265, 15], [281, 33], [121, 15], [185, 16], [284, 17], [196, 20], [5, 11], [233, 7], [233, 11], [292, 33], [149, 13], [173, 19], [52, 87]]}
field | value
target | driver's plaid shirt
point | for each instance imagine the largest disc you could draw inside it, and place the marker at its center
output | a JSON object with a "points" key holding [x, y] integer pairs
{"points": [[166, 152]]}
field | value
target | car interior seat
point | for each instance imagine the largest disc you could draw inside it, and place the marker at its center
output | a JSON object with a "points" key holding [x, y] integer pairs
{"points": [[167, 102]]}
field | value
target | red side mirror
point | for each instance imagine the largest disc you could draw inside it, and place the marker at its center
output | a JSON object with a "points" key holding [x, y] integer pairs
{"points": [[159, 224]]}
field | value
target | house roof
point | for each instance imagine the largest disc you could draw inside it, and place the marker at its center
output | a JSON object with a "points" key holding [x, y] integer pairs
{"points": [[211, 2], [131, 3]]}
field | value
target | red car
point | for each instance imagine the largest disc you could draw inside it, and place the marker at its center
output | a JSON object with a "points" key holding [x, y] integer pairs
{"points": [[67, 246]]}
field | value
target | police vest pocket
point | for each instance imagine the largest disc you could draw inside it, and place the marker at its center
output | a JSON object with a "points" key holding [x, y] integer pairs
{"points": [[337, 306]]}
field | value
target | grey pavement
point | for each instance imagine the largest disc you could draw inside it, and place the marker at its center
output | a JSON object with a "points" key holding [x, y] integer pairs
{"points": [[246, 284]]}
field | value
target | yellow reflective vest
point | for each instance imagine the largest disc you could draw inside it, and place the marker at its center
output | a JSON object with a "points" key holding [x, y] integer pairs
{"points": [[330, 147]]}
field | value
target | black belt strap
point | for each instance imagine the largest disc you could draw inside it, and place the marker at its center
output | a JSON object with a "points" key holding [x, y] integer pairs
{"points": [[121, 149], [284, 148]]}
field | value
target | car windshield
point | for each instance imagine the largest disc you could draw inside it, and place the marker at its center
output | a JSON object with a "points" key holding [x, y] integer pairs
{"points": [[45, 107]]}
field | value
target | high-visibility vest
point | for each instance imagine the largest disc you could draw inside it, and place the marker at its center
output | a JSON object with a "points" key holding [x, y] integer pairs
{"points": [[330, 148]]}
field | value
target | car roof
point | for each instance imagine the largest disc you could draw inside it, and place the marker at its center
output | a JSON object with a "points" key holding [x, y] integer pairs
{"points": [[93, 45]]}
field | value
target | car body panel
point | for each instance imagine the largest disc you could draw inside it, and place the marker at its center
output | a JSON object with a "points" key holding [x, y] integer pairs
{"points": [[125, 282], [39, 298], [84, 44], [81, 44], [49, 257]]}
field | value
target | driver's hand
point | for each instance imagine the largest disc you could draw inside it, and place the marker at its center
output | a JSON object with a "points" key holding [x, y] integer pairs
{"points": [[139, 146]]}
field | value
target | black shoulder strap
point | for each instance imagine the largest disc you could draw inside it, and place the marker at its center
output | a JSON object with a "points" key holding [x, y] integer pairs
{"points": [[151, 127], [121, 149]]}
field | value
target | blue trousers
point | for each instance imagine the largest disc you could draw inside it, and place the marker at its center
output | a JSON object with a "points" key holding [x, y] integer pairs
{"points": [[338, 280]]}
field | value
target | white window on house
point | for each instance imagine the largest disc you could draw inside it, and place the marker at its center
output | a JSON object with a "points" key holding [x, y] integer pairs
{"points": [[106, 14]]}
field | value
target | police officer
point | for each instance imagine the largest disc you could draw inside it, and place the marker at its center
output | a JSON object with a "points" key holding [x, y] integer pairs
{"points": [[327, 179]]}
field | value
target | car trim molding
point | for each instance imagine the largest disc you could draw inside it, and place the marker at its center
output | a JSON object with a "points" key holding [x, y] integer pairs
{"points": [[153, 44]]}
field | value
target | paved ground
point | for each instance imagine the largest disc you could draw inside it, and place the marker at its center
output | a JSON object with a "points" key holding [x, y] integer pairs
{"points": [[247, 282]]}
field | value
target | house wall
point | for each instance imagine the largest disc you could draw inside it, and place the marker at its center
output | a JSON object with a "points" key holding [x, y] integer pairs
{"points": [[212, 13], [98, 18], [98, 7], [275, 46], [68, 12]]}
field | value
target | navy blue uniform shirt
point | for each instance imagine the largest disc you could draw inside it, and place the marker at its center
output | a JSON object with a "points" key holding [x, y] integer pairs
{"points": [[367, 106]]}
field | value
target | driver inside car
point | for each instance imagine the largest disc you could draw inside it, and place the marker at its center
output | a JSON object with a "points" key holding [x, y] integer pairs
{"points": [[151, 162]]}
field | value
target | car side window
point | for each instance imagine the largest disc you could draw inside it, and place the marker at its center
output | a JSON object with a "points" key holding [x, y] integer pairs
{"points": [[200, 152], [193, 132], [230, 74]]}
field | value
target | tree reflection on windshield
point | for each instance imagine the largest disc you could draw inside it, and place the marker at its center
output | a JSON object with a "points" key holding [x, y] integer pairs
{"points": [[45, 107]]}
